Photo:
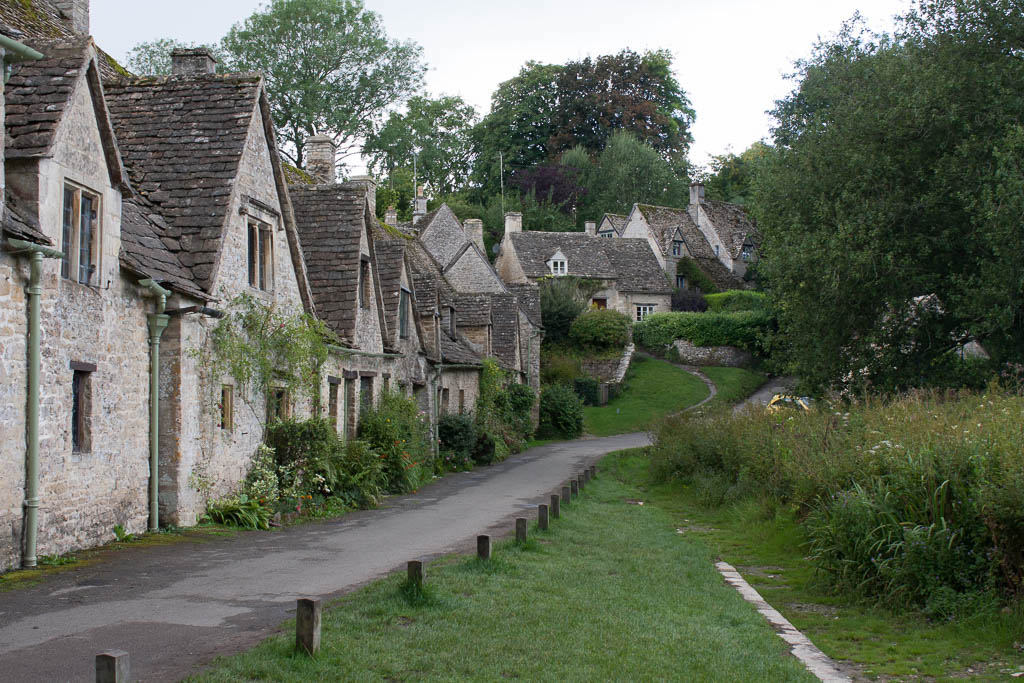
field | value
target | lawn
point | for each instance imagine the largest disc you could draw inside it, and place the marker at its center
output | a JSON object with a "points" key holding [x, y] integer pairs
{"points": [[766, 546], [734, 384], [655, 389], [611, 592]]}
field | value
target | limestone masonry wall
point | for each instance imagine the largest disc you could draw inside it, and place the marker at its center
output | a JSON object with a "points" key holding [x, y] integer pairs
{"points": [[728, 356]]}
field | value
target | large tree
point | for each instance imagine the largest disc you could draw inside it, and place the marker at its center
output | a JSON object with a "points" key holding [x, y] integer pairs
{"points": [[730, 177], [331, 69], [153, 57], [896, 176], [437, 132]]}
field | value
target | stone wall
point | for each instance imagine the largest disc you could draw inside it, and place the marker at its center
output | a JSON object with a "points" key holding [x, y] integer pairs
{"points": [[728, 356], [465, 380], [601, 369]]}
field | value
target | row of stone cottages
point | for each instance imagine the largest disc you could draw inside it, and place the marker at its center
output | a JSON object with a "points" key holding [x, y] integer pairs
{"points": [[134, 209]]}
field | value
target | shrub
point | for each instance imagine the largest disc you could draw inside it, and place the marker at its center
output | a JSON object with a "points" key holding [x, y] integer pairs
{"points": [[557, 367], [600, 329], [744, 329], [561, 412], [587, 388], [562, 300], [241, 512], [695, 277], [737, 300], [456, 435], [502, 413], [400, 432], [685, 301]]}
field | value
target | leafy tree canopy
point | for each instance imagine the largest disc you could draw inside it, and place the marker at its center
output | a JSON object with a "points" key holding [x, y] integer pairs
{"points": [[730, 177], [896, 175], [153, 58]]}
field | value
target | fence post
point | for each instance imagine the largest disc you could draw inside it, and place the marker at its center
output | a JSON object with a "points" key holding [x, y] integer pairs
{"points": [[520, 529], [565, 495], [415, 572], [574, 486], [113, 667], [483, 547], [307, 625], [554, 505], [542, 517]]}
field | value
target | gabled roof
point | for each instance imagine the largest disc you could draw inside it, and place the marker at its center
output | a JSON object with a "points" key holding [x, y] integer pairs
{"points": [[428, 281], [442, 234], [585, 257], [331, 220], [473, 310], [731, 223], [182, 138], [145, 251], [637, 267], [457, 351], [504, 335], [664, 221], [616, 221], [41, 20], [528, 296], [390, 256]]}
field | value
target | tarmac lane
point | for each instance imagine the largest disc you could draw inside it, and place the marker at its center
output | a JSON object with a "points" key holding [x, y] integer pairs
{"points": [[174, 608]]}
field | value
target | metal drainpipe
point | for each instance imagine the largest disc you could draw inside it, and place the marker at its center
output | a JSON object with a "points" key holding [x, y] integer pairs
{"points": [[34, 290], [157, 324], [14, 52]]}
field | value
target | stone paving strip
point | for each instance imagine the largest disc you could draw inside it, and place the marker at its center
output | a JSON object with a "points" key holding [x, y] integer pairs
{"points": [[816, 661]]}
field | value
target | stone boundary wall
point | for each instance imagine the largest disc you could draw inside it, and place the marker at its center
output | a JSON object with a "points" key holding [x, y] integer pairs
{"points": [[729, 356]]}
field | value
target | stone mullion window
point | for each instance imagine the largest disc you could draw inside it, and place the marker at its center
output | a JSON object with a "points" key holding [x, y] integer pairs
{"points": [[80, 235], [260, 256]]}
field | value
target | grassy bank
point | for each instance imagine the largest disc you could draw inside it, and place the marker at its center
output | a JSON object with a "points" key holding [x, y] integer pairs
{"points": [[611, 592], [733, 384], [767, 544], [655, 389]]}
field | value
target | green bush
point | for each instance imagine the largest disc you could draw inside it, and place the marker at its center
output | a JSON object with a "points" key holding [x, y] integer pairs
{"points": [[744, 329], [241, 512], [562, 300], [600, 329], [737, 300], [400, 432], [695, 277], [587, 388], [558, 366], [457, 436], [686, 301], [916, 501], [561, 412], [502, 413]]}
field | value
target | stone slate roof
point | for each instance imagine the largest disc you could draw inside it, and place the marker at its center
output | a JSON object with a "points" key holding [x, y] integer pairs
{"points": [[428, 280], [665, 220], [390, 257], [330, 220], [442, 234], [41, 20], [147, 249], [505, 321], [473, 310], [182, 138], [617, 221], [528, 296], [38, 93], [630, 262], [722, 277], [457, 351], [20, 224], [731, 223]]}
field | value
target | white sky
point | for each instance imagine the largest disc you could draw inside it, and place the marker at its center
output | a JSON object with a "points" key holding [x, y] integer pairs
{"points": [[730, 55]]}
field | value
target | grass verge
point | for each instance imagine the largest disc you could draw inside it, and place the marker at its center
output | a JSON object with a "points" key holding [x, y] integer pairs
{"points": [[766, 546], [611, 592], [733, 384], [654, 389]]}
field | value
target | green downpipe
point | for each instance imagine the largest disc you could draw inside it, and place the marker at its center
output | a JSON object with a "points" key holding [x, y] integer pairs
{"points": [[34, 290], [157, 324], [15, 52]]}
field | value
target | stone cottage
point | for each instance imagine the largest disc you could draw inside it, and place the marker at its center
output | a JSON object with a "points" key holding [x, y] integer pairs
{"points": [[632, 279]]}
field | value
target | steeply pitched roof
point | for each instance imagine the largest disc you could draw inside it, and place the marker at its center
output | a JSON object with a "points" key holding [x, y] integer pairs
{"points": [[442, 234], [457, 351], [330, 220], [39, 92], [20, 224], [182, 138], [731, 223], [628, 261], [528, 296], [473, 310], [428, 280], [505, 321], [616, 221], [390, 256], [41, 20], [664, 221], [147, 250]]}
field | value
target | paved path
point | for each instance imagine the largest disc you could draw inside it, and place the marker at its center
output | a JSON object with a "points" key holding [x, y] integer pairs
{"points": [[174, 608]]}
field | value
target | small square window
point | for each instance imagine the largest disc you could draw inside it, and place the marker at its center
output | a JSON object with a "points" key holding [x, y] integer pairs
{"points": [[227, 407], [748, 252], [716, 250], [559, 267]]}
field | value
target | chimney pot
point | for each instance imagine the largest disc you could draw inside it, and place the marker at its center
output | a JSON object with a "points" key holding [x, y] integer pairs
{"points": [[77, 14], [697, 193], [391, 216], [419, 205], [320, 153], [513, 222], [192, 61], [475, 232], [590, 227]]}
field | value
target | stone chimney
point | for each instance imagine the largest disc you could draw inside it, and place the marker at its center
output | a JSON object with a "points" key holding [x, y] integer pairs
{"points": [[77, 14], [192, 61], [475, 232], [371, 190], [419, 205], [391, 216], [590, 227], [696, 193], [320, 153], [513, 222]]}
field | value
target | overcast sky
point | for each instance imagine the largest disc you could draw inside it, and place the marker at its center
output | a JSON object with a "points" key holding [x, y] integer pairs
{"points": [[730, 55]]}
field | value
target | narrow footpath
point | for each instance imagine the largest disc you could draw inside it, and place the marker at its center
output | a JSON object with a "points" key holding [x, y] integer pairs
{"points": [[174, 608]]}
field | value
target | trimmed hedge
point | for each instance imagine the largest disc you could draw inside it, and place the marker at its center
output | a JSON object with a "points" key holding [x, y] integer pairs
{"points": [[600, 329], [737, 300], [743, 329]]}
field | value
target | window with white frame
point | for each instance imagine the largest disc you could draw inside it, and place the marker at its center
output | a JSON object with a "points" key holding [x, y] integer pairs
{"points": [[261, 256], [643, 310], [558, 267], [80, 235]]}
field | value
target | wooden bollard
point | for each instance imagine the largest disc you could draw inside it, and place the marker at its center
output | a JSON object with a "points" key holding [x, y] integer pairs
{"points": [[542, 517], [574, 486], [483, 547], [415, 572], [593, 471], [307, 625], [113, 667], [554, 505], [581, 481], [521, 529], [586, 475], [565, 495]]}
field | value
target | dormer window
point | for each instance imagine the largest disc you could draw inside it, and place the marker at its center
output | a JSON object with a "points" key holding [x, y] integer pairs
{"points": [[261, 256], [558, 266], [716, 250], [677, 248], [80, 235], [748, 252]]}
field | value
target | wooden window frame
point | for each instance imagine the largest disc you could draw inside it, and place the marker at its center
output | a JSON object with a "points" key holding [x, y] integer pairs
{"points": [[403, 313], [227, 407], [81, 408], [260, 255], [644, 310], [677, 248], [279, 404], [72, 227]]}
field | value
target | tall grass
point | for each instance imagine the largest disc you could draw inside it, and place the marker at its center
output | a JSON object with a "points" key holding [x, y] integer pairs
{"points": [[916, 500]]}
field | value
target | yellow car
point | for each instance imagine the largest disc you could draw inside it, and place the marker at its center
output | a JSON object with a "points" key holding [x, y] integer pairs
{"points": [[781, 401]]}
